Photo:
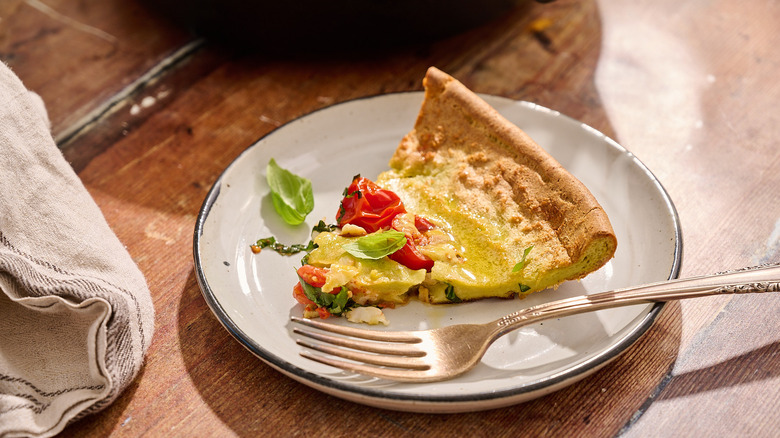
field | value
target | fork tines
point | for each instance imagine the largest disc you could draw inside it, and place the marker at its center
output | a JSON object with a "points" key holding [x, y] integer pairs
{"points": [[358, 332], [386, 349]]}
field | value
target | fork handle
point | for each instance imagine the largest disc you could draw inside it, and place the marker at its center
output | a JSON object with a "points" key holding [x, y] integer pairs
{"points": [[765, 278]]}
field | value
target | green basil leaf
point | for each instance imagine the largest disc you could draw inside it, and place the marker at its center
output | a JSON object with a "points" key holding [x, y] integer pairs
{"points": [[524, 287], [523, 261], [340, 301], [335, 303], [376, 245], [291, 194], [311, 292], [449, 292]]}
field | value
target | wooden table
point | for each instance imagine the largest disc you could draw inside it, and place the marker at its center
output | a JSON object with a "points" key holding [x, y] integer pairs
{"points": [[149, 115]]}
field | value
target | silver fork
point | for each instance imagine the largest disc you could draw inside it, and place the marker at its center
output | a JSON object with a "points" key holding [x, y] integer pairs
{"points": [[443, 353]]}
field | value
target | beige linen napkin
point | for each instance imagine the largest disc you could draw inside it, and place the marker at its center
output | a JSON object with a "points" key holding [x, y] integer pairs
{"points": [[76, 317]]}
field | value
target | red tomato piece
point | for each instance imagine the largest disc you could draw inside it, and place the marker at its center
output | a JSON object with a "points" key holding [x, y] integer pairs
{"points": [[423, 224], [301, 297], [324, 313], [313, 275], [368, 206], [411, 257]]}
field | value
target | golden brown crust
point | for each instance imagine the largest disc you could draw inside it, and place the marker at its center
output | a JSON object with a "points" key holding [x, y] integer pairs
{"points": [[505, 164]]}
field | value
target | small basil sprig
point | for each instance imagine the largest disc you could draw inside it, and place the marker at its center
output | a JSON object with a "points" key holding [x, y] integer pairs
{"points": [[376, 245], [295, 248], [449, 293], [291, 194], [523, 261], [270, 242]]}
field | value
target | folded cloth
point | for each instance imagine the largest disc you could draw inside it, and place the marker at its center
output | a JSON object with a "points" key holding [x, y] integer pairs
{"points": [[76, 316]]}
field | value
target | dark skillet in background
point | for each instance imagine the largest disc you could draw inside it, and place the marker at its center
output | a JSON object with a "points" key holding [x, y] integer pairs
{"points": [[330, 25]]}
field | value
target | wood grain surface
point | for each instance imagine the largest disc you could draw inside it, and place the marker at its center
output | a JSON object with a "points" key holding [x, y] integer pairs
{"points": [[149, 114]]}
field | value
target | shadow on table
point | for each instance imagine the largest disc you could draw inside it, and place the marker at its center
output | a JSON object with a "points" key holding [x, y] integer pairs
{"points": [[727, 352], [754, 366]]}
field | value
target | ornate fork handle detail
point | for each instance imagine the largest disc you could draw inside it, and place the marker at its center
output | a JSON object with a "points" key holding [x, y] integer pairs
{"points": [[762, 286], [749, 288], [511, 319], [757, 279]]}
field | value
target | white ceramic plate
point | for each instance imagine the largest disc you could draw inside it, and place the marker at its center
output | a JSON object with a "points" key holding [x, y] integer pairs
{"points": [[251, 294]]}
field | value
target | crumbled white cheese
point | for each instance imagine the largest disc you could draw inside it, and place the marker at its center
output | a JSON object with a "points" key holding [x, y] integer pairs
{"points": [[350, 230], [368, 315]]}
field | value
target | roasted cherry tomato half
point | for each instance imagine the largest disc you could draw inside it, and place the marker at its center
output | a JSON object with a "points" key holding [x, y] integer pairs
{"points": [[368, 206], [411, 257], [313, 275], [301, 297]]}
